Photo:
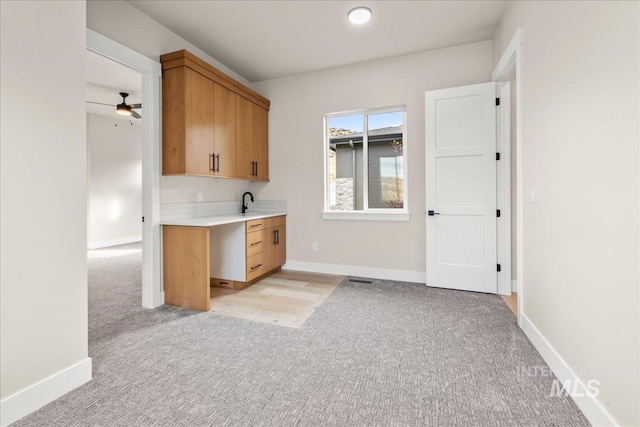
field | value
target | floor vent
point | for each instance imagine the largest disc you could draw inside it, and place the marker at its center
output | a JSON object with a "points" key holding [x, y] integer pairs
{"points": [[359, 281]]}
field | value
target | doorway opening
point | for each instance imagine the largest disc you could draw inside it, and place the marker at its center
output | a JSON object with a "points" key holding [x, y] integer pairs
{"points": [[114, 151], [150, 72]]}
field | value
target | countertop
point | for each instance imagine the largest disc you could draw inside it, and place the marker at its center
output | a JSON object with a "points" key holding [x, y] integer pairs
{"points": [[210, 221]]}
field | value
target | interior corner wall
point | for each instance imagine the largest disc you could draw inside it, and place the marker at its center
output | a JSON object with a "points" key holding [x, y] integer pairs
{"points": [[123, 23], [43, 218], [580, 118], [298, 105], [115, 180]]}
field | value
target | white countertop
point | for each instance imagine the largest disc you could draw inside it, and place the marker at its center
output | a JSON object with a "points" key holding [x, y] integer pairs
{"points": [[210, 221]]}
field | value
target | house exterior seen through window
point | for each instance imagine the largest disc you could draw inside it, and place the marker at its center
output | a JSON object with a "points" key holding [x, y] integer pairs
{"points": [[366, 160]]}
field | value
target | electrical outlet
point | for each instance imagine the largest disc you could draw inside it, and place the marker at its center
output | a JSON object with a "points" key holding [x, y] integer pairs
{"points": [[200, 198], [532, 195], [314, 247]]}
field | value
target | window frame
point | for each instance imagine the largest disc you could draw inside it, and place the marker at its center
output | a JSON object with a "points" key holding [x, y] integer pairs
{"points": [[367, 213]]}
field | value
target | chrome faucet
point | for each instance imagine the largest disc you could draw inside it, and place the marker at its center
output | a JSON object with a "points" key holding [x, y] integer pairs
{"points": [[244, 204]]}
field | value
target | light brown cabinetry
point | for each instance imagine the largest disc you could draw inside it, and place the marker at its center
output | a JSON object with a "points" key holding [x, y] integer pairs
{"points": [[236, 255], [274, 243], [186, 267], [224, 131], [254, 249], [212, 124], [252, 147]]}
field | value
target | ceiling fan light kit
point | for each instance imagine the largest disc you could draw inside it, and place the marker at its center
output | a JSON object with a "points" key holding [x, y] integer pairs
{"points": [[123, 109]]}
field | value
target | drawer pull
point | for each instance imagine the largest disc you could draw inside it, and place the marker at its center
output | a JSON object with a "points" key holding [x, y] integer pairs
{"points": [[224, 283], [256, 243], [256, 267], [255, 225]]}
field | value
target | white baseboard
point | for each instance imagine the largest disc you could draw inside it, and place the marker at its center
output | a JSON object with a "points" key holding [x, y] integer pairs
{"points": [[114, 242], [354, 270], [514, 286], [590, 406], [34, 397]]}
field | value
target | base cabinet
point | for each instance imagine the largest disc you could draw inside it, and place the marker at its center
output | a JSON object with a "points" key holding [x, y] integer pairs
{"points": [[231, 256], [241, 254], [274, 243]]}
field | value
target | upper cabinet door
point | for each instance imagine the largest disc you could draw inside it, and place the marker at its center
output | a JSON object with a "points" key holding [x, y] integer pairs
{"points": [[261, 142], [224, 131], [245, 160], [198, 116]]}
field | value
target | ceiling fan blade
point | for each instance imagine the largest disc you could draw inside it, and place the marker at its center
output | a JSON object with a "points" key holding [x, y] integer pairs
{"points": [[101, 103], [136, 106], [136, 115]]}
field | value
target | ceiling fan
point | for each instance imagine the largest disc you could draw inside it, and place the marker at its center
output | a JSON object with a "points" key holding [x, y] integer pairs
{"points": [[124, 108]]}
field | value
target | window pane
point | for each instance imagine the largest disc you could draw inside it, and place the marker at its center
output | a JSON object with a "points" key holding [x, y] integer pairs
{"points": [[345, 163], [385, 161]]}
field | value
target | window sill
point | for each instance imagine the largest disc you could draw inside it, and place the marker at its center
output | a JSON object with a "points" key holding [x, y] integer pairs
{"points": [[367, 216]]}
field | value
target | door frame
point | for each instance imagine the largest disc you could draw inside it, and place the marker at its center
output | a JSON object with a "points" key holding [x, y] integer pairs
{"points": [[511, 60], [503, 175], [151, 72]]}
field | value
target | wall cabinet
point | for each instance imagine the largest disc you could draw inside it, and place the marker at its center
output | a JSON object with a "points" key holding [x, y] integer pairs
{"points": [[212, 125]]}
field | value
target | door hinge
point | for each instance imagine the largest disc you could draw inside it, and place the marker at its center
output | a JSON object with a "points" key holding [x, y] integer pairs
{"points": [[497, 156], [498, 213], [499, 268], [497, 101], [142, 219]]}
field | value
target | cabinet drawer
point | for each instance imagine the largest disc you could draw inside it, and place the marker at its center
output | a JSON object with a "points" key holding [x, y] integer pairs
{"points": [[255, 266], [255, 225], [274, 221], [221, 283], [254, 243]]}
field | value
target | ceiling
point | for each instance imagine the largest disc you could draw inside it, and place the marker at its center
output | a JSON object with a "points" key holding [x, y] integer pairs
{"points": [[105, 79], [262, 40]]}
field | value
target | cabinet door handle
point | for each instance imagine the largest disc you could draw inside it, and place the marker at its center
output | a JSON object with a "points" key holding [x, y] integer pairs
{"points": [[255, 243], [218, 159], [253, 168], [256, 168], [275, 239], [277, 236], [256, 267], [211, 165]]}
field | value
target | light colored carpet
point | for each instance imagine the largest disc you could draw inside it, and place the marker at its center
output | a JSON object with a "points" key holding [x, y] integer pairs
{"points": [[379, 354]]}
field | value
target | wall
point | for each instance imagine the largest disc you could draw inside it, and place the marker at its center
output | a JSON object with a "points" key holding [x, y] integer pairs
{"points": [[115, 180], [296, 151], [122, 22], [513, 111], [43, 194], [580, 132]]}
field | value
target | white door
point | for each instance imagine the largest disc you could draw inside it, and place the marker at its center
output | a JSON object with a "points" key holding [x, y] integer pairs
{"points": [[461, 188]]}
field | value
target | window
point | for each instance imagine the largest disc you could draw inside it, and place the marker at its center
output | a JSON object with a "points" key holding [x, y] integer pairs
{"points": [[365, 173]]}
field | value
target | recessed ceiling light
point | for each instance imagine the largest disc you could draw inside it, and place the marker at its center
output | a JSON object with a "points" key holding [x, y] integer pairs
{"points": [[359, 15]]}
